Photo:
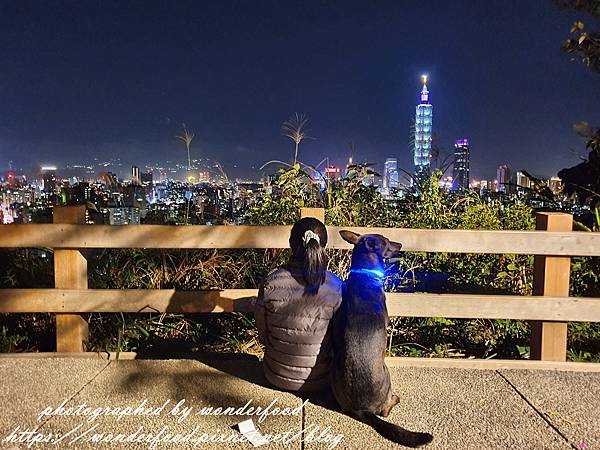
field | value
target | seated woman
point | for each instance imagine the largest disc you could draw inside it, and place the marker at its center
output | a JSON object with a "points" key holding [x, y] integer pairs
{"points": [[293, 312]]}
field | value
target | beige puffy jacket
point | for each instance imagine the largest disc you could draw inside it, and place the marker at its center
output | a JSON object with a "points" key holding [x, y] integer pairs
{"points": [[295, 329]]}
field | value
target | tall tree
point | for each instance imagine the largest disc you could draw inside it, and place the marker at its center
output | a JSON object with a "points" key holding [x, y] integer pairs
{"points": [[583, 42], [584, 178], [187, 139], [293, 128]]}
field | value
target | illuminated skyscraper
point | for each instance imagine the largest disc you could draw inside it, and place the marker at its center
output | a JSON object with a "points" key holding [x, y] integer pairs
{"points": [[49, 178], [460, 174], [522, 183], [423, 126], [390, 175], [146, 178], [135, 175], [11, 179], [503, 176]]}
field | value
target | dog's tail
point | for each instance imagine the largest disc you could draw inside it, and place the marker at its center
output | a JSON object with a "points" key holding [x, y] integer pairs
{"points": [[393, 432]]}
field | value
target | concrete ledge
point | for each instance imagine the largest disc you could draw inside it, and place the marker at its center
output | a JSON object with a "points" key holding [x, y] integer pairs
{"points": [[492, 364], [85, 355], [451, 363], [462, 407]]}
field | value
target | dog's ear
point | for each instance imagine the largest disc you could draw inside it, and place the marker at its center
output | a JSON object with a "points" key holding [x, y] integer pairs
{"points": [[394, 249], [349, 236], [373, 244], [394, 246]]}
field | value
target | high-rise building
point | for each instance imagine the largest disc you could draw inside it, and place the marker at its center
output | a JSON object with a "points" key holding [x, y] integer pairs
{"points": [[503, 176], [49, 178], [484, 186], [134, 196], [523, 182], [146, 178], [460, 174], [423, 136], [11, 179], [390, 175], [121, 215], [135, 175]]}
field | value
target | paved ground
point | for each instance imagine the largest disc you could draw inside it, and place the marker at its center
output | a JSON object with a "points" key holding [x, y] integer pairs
{"points": [[464, 408]]}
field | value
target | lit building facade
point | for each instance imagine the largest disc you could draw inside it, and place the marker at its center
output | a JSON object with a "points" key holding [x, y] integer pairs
{"points": [[423, 134], [124, 216], [49, 178], [11, 179], [523, 183], [484, 186], [390, 175], [503, 177], [146, 178], [135, 175], [460, 173]]}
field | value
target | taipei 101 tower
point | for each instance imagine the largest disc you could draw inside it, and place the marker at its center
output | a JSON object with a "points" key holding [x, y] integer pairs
{"points": [[423, 124]]}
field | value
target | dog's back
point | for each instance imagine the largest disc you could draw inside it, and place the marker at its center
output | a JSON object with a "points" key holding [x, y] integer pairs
{"points": [[359, 337], [360, 379]]}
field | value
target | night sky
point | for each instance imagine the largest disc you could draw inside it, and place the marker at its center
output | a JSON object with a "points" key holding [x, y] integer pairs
{"points": [[80, 79]]}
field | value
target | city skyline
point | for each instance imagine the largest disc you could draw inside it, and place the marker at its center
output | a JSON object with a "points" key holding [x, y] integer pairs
{"points": [[85, 81]]}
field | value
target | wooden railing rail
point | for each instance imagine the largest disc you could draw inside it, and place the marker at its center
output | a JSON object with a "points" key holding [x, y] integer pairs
{"points": [[572, 243], [452, 306], [549, 308]]}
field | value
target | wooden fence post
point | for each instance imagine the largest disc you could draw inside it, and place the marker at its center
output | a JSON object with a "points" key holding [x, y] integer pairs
{"points": [[551, 277], [317, 213], [70, 272]]}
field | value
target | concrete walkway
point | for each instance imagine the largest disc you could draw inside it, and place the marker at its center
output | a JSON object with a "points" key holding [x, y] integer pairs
{"points": [[464, 408]]}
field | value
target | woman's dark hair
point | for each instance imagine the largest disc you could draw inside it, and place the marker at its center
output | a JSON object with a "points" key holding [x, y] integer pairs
{"points": [[308, 240]]}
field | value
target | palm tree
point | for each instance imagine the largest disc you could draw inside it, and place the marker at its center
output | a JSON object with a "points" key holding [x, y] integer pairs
{"points": [[187, 139], [292, 128]]}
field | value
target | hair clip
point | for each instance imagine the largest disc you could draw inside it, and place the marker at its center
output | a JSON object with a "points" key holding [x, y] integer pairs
{"points": [[308, 235]]}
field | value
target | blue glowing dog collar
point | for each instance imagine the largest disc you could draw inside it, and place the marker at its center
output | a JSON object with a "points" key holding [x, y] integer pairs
{"points": [[379, 274]]}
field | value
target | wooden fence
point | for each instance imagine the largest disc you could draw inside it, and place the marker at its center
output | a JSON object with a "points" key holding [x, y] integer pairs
{"points": [[550, 307]]}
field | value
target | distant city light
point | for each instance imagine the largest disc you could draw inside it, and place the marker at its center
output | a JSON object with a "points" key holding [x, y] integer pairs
{"points": [[48, 167]]}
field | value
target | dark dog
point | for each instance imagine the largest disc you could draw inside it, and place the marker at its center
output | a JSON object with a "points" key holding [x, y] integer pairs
{"points": [[360, 379]]}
